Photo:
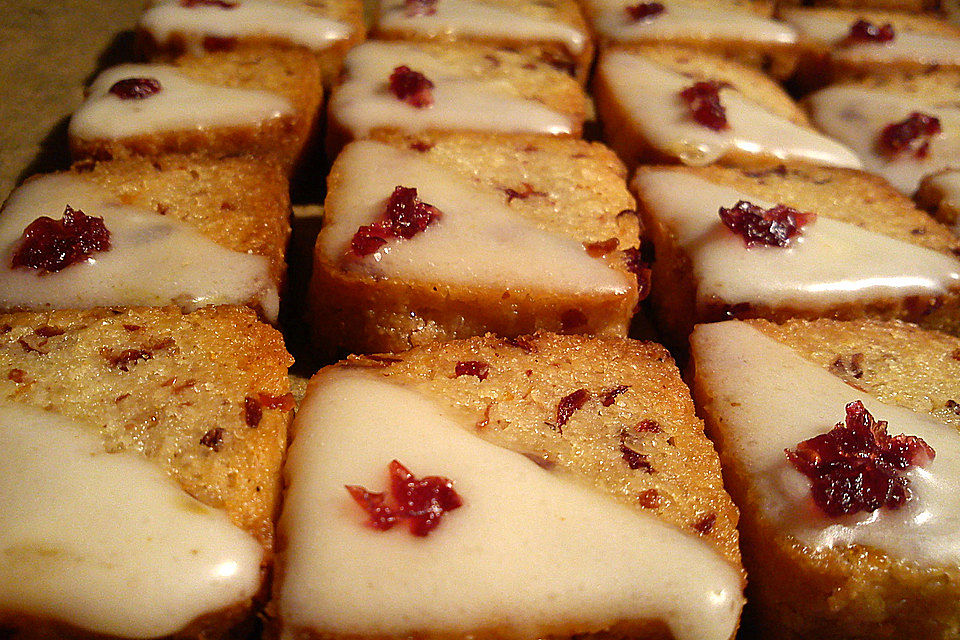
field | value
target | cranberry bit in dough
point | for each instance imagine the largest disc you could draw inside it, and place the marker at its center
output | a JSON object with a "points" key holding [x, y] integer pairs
{"points": [[135, 88], [472, 368], [219, 4], [419, 7], [703, 99], [405, 217], [865, 31], [644, 10], [900, 136], [422, 502], [857, 466], [49, 245], [773, 227], [411, 86]]}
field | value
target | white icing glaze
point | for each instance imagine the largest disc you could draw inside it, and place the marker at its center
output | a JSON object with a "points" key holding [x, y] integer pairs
{"points": [[477, 18], [153, 260], [828, 264], [688, 20], [530, 550], [857, 115], [650, 94], [181, 104], [106, 541], [770, 399], [364, 100], [479, 241], [249, 18], [831, 30]]}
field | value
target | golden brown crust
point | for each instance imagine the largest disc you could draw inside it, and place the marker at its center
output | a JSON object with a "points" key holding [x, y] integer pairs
{"points": [[627, 139], [856, 592], [584, 198], [166, 382], [542, 369], [932, 197], [240, 203], [553, 52], [842, 194], [291, 73]]}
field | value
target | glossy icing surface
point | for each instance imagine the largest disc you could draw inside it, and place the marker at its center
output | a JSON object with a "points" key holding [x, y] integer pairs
{"points": [[181, 104], [478, 241], [698, 21], [477, 18], [857, 115], [460, 101], [106, 541], [153, 260], [535, 551], [248, 18], [830, 263], [650, 94], [770, 399], [906, 45]]}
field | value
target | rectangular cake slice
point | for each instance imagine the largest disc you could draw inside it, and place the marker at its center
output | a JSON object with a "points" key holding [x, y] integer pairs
{"points": [[793, 241], [261, 101], [547, 486], [170, 28], [444, 236], [140, 470], [554, 32], [183, 230], [838, 443], [413, 87], [670, 104]]}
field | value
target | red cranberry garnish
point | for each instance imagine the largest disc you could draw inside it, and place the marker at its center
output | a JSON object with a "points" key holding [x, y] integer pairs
{"points": [[411, 86], [569, 404], [472, 368], [703, 99], [420, 7], [774, 227], [421, 501], [405, 216], [857, 466], [219, 4], [865, 31], [644, 10], [900, 136], [50, 245], [135, 88]]}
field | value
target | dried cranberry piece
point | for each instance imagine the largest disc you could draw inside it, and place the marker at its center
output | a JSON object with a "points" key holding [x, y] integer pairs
{"points": [[50, 245], [703, 100], [472, 368], [411, 86], [404, 217], [135, 88], [420, 7], [610, 395], [569, 404], [644, 10], [773, 227], [421, 501], [219, 4], [898, 137], [857, 466], [865, 31]]}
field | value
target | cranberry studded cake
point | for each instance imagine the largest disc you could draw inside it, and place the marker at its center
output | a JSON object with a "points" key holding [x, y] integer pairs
{"points": [[412, 87], [740, 30], [257, 101], [553, 31], [792, 242], [169, 28], [180, 230], [838, 444], [902, 126], [667, 104], [453, 235], [546, 486], [141, 505]]}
